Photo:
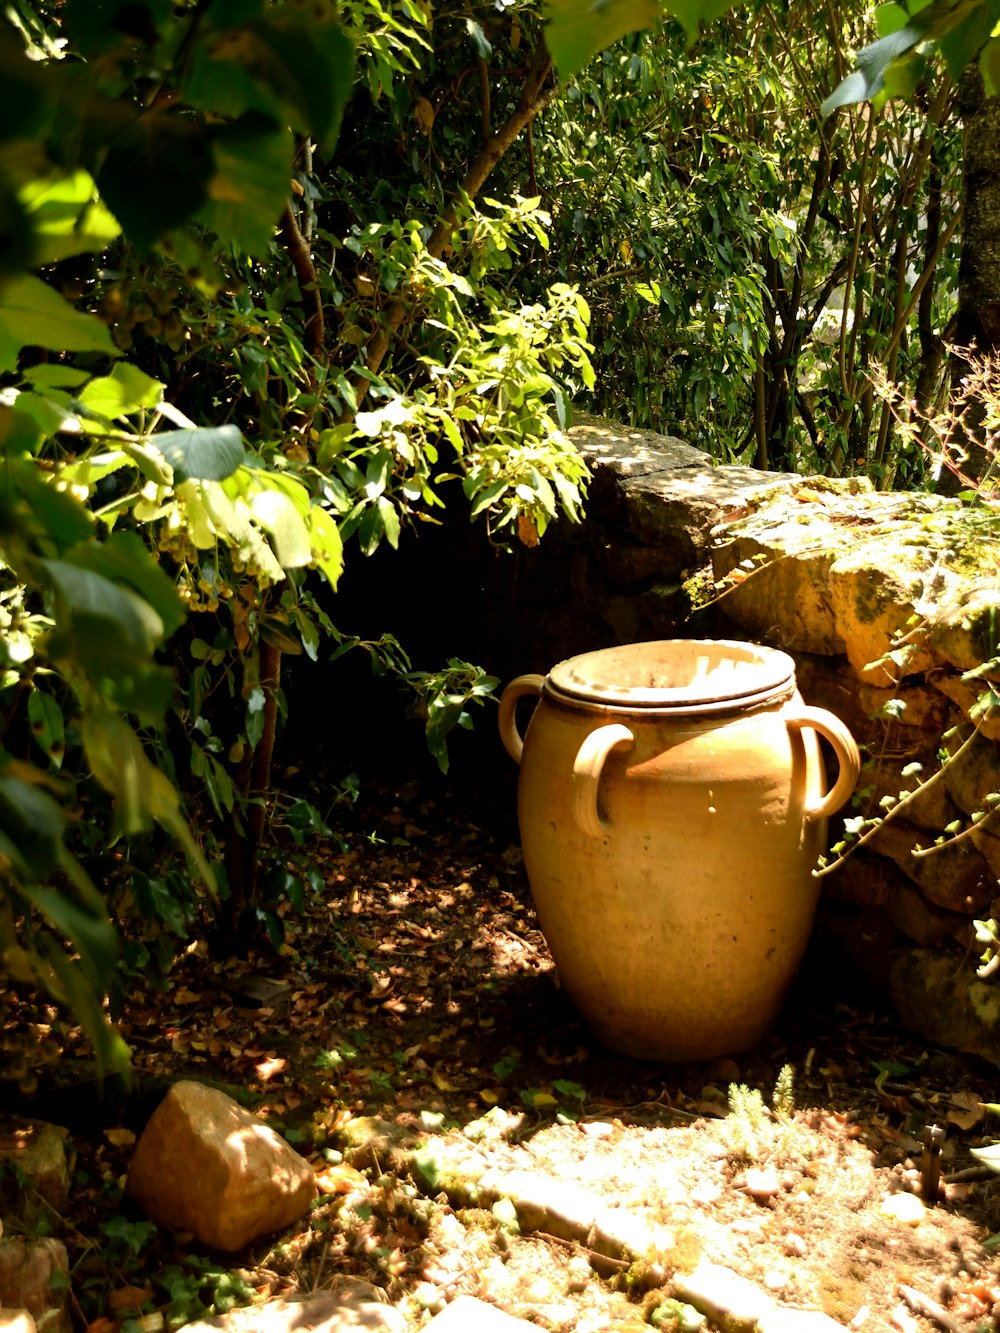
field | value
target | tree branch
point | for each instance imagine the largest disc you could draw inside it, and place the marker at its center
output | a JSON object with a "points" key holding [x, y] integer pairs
{"points": [[534, 98], [305, 271]]}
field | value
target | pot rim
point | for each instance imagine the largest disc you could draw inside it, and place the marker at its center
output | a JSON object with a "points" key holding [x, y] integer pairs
{"points": [[676, 677]]}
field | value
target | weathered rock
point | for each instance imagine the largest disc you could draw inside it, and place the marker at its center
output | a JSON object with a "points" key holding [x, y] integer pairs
{"points": [[783, 1320], [786, 599], [206, 1165], [929, 807], [872, 598], [973, 773], [963, 628], [922, 922], [678, 511], [38, 1151], [467, 1315], [572, 1212], [728, 1299], [918, 716], [352, 1305], [941, 998], [954, 876], [966, 694], [34, 1276]]}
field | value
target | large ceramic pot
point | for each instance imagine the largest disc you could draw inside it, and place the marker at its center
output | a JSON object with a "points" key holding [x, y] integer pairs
{"points": [[672, 810]]}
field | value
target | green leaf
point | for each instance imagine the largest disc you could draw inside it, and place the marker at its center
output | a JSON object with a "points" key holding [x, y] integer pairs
{"points": [[577, 31], [33, 505], [126, 390], [867, 80], [156, 175], [989, 1156], [66, 216], [960, 45], [253, 161], [203, 453], [275, 512], [692, 13], [55, 376], [479, 39], [256, 703], [33, 314], [99, 607], [33, 823], [94, 936], [100, 26], [989, 64], [390, 520], [286, 65], [125, 559], [47, 725], [327, 546]]}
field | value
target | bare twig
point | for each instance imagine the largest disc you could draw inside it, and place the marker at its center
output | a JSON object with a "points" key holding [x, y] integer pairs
{"points": [[923, 1305]]}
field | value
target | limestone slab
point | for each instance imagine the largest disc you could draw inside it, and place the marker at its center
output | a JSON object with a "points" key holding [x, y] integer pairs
{"points": [[352, 1305]]}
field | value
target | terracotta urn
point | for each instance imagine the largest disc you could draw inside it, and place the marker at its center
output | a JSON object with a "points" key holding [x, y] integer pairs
{"points": [[672, 808]]}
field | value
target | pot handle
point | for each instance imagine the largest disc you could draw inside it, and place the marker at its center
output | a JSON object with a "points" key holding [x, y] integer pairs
{"points": [[587, 775], [830, 726], [517, 689]]}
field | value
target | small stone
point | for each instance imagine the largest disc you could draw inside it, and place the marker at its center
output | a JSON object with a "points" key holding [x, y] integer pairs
{"points": [[794, 1245], [597, 1129], [902, 1319], [904, 1208], [16, 1321], [723, 1071], [783, 1320], [775, 1280], [578, 1274], [728, 1299], [428, 1296], [762, 1183], [353, 1304], [467, 1315]]}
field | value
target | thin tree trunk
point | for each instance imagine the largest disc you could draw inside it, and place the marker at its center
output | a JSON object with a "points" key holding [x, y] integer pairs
{"points": [[977, 321]]}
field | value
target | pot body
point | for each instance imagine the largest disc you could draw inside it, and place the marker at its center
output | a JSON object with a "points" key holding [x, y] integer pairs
{"points": [[670, 855]]}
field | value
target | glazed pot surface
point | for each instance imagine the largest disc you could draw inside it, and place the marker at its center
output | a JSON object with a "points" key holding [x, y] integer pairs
{"points": [[672, 810]]}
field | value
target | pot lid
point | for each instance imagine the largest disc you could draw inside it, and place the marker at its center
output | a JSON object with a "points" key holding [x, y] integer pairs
{"points": [[681, 674]]}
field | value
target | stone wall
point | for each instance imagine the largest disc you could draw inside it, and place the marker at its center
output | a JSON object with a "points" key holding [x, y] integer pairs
{"points": [[886, 601]]}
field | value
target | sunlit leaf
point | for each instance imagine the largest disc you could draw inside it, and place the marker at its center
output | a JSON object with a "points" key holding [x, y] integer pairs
{"points": [[206, 453], [33, 314], [576, 31], [125, 390]]}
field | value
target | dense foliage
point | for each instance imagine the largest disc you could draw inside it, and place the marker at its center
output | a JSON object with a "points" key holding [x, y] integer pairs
{"points": [[277, 278]]}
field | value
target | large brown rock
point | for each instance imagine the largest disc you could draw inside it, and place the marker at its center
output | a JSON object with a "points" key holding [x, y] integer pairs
{"points": [[206, 1165]]}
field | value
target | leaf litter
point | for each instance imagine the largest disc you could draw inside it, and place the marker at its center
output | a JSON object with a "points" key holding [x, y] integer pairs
{"points": [[415, 1002]]}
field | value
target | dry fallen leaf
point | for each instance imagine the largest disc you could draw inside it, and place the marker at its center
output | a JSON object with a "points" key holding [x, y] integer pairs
{"points": [[120, 1138], [340, 1179], [268, 1068], [965, 1110], [129, 1298]]}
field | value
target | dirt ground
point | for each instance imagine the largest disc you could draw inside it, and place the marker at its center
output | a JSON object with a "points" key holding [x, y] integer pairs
{"points": [[415, 987]]}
